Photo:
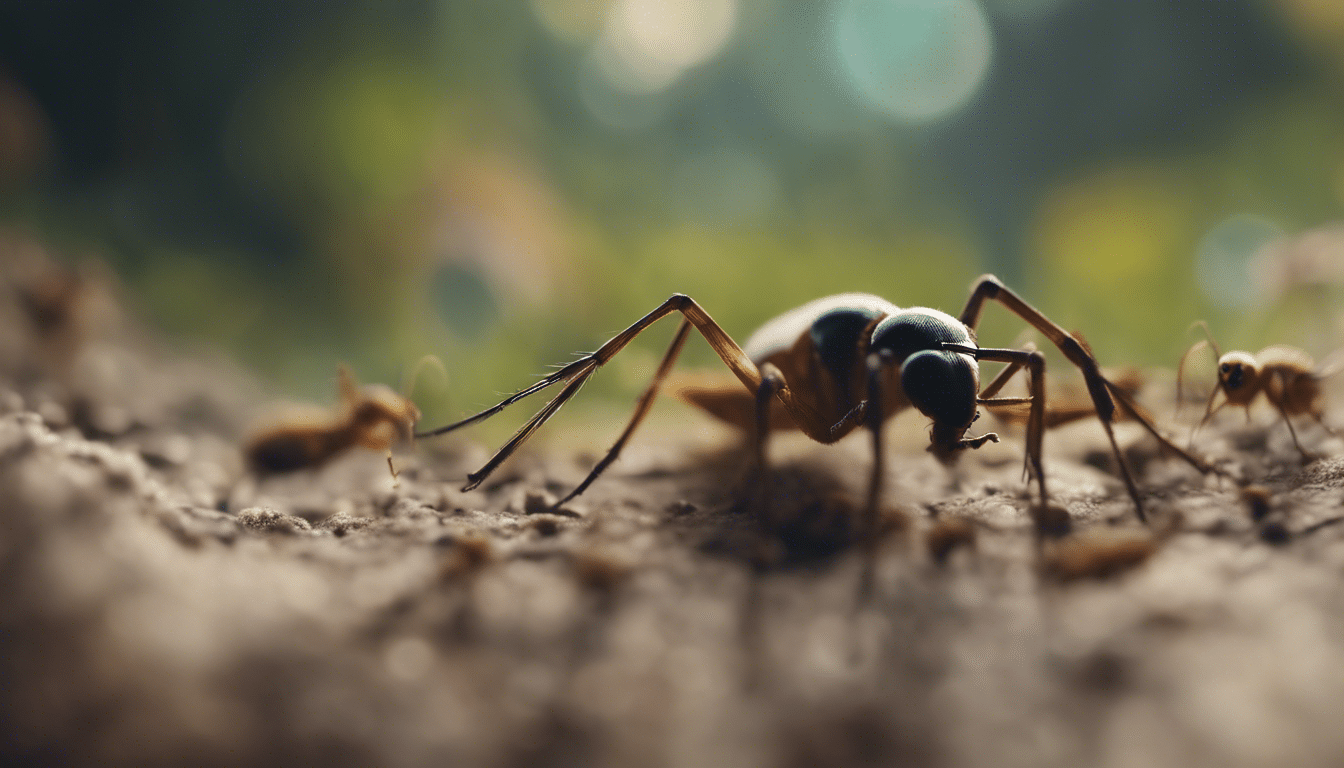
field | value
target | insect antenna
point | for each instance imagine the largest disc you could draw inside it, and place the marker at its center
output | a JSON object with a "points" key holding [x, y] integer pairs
{"points": [[1209, 408], [408, 381], [1180, 373]]}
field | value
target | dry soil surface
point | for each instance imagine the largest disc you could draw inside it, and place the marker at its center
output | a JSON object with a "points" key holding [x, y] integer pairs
{"points": [[159, 605]]}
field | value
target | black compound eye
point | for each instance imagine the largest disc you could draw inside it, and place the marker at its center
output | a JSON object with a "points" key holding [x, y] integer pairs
{"points": [[1225, 367], [942, 385]]}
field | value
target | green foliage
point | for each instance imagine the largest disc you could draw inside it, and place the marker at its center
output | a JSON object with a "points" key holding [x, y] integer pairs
{"points": [[455, 187]]}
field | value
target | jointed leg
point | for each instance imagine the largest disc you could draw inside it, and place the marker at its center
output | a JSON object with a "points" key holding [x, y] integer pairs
{"points": [[728, 350], [1278, 403], [772, 381], [1209, 410], [577, 372], [991, 389], [989, 287], [1100, 390], [641, 410], [1137, 413], [873, 420], [1034, 362], [1293, 432]]}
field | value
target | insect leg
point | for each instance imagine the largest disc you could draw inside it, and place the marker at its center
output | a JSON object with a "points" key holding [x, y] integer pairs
{"points": [[584, 366], [1283, 411], [577, 372], [873, 420], [641, 409], [1034, 362], [772, 381], [1137, 413], [991, 389], [1180, 368], [1100, 390], [1209, 410], [474, 479]]}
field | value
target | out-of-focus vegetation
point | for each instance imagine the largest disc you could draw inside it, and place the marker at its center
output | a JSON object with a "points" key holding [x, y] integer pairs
{"points": [[506, 182]]}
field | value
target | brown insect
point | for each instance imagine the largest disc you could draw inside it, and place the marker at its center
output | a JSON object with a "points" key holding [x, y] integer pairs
{"points": [[373, 417], [1285, 376], [1098, 553], [845, 361]]}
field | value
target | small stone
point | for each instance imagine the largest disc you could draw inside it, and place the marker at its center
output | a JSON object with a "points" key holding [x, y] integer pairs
{"points": [[266, 520], [1275, 533], [681, 507], [536, 503]]}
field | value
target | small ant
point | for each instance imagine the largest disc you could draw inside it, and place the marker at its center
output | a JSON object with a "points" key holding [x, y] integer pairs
{"points": [[373, 417], [1286, 376], [848, 360]]}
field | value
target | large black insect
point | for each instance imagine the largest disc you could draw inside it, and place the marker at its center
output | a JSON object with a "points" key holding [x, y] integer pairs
{"points": [[849, 360]]}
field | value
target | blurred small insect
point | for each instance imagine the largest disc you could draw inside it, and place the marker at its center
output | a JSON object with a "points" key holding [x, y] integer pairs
{"points": [[1287, 377], [1098, 553], [373, 417], [846, 361], [946, 536]]}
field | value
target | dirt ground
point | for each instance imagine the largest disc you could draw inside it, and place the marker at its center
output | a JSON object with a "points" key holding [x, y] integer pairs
{"points": [[162, 606]]}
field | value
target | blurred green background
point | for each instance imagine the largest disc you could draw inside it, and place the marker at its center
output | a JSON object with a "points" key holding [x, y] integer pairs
{"points": [[504, 183]]}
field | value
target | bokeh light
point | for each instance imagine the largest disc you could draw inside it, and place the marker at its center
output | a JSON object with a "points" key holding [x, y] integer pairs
{"points": [[1225, 255], [1024, 10], [504, 183], [573, 21], [618, 97], [915, 60], [648, 44], [725, 186], [1126, 235], [674, 33]]}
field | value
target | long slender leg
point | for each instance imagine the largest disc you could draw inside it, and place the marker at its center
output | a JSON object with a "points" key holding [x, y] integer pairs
{"points": [[1292, 432], [991, 389], [876, 363], [577, 372], [1209, 410], [728, 350], [989, 287], [772, 381], [1180, 368], [1137, 413], [571, 388], [1034, 362], [641, 410], [1278, 403], [1100, 390]]}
